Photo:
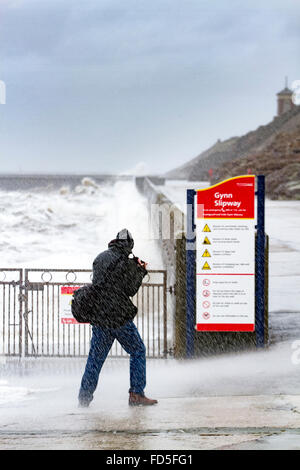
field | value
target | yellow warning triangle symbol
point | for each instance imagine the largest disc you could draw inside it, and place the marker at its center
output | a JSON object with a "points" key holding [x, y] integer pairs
{"points": [[206, 265], [206, 254], [206, 228], [206, 241]]}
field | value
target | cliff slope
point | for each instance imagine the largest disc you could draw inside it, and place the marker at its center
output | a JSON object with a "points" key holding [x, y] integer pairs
{"points": [[252, 143]]}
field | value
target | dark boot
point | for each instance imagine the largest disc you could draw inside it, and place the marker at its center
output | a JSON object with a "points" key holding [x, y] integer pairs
{"points": [[139, 399]]}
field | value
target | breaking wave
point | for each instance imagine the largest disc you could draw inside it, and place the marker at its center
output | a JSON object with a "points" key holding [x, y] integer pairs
{"points": [[68, 227]]}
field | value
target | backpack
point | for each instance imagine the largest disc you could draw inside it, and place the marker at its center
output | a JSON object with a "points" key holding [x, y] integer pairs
{"points": [[87, 299], [84, 303]]}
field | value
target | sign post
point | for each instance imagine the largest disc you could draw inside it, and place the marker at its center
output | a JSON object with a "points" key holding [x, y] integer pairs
{"points": [[228, 295], [190, 273], [260, 263]]}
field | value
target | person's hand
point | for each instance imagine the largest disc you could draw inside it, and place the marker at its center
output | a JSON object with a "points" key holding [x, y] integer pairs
{"points": [[142, 263]]}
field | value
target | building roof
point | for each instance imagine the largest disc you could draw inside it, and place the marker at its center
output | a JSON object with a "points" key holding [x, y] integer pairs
{"points": [[286, 91]]}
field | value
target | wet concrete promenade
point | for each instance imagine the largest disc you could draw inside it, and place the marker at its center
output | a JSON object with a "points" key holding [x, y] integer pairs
{"points": [[245, 402]]}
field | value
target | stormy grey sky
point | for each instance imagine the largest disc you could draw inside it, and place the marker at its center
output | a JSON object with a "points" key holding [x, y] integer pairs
{"points": [[99, 86]]}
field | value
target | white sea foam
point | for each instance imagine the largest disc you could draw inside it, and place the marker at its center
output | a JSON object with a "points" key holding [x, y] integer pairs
{"points": [[68, 227]]}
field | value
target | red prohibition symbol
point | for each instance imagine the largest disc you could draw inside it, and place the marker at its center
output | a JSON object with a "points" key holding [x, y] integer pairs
{"points": [[206, 293]]}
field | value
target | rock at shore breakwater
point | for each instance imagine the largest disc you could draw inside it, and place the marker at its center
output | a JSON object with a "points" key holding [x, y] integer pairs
{"points": [[279, 162]]}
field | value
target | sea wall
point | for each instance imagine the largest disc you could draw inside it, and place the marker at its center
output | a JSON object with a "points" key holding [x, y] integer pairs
{"points": [[168, 224]]}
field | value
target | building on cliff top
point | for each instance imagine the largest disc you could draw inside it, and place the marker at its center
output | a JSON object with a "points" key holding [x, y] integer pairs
{"points": [[284, 99]]}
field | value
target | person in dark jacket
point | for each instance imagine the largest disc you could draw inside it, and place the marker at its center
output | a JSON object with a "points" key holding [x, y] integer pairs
{"points": [[117, 277]]}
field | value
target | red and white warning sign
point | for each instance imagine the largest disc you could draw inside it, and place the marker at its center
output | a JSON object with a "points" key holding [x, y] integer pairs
{"points": [[225, 227], [66, 316]]}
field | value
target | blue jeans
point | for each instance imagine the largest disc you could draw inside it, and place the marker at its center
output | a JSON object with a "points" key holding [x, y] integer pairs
{"points": [[102, 340]]}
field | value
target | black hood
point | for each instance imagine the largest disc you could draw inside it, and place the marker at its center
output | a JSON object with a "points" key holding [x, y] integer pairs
{"points": [[123, 240]]}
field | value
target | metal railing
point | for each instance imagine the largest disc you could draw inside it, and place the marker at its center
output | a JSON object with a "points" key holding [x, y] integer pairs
{"points": [[46, 327], [11, 312]]}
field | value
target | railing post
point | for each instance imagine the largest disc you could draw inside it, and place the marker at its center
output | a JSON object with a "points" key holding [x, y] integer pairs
{"points": [[165, 315], [190, 274], [260, 264], [20, 298], [25, 313]]}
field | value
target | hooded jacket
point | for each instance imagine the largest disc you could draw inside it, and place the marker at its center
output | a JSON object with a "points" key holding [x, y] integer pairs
{"points": [[117, 278]]}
